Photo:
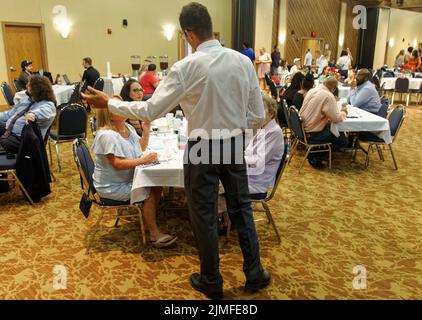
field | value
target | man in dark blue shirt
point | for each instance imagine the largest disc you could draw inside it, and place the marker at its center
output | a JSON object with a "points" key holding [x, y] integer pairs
{"points": [[248, 52]]}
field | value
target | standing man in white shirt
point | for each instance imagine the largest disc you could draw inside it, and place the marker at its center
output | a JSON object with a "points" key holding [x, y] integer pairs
{"points": [[308, 59], [203, 84], [321, 62]]}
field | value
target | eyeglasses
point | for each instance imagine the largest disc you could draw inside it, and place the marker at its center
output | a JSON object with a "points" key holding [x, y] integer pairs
{"points": [[138, 90]]}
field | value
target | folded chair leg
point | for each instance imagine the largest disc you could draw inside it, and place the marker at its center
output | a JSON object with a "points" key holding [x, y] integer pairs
{"points": [[306, 157], [394, 158], [58, 157], [22, 188], [294, 147], [329, 157], [49, 151], [141, 222], [270, 218], [380, 153], [367, 156]]}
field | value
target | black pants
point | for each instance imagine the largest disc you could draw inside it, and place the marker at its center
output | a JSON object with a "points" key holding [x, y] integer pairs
{"points": [[202, 186], [10, 144]]}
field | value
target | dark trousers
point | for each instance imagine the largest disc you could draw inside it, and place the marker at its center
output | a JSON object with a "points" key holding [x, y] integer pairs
{"points": [[10, 144], [202, 186], [326, 136]]}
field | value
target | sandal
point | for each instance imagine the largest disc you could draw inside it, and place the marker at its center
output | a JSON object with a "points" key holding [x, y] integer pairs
{"points": [[163, 242]]}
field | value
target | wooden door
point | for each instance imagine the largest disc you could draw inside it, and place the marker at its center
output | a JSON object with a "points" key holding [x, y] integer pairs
{"points": [[24, 42]]}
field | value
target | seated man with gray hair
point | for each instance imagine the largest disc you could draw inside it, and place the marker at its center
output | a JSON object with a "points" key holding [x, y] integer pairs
{"points": [[365, 96]]}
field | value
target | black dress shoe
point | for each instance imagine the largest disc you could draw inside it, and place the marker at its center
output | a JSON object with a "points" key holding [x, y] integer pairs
{"points": [[316, 163], [260, 283], [212, 291]]}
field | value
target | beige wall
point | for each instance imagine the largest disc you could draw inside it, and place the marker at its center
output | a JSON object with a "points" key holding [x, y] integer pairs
{"points": [[382, 34], [91, 18], [282, 28], [403, 25], [264, 25]]}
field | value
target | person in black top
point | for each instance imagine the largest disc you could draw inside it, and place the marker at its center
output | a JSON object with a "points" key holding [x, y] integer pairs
{"points": [[275, 58], [91, 74], [294, 87], [307, 84], [25, 74]]}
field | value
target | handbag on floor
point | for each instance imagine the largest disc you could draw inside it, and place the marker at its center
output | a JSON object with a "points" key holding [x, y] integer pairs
{"points": [[85, 205]]}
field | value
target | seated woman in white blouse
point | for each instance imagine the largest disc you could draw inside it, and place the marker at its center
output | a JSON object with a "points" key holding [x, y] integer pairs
{"points": [[117, 149]]}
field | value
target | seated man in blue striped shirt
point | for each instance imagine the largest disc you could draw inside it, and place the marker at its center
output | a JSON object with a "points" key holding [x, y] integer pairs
{"points": [[37, 105], [365, 96]]}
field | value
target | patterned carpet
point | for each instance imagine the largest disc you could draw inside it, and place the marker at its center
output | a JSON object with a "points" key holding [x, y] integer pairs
{"points": [[329, 222]]}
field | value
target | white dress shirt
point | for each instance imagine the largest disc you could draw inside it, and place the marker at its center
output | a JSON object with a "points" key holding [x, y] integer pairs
{"points": [[217, 88], [308, 59], [321, 63], [344, 62], [294, 69]]}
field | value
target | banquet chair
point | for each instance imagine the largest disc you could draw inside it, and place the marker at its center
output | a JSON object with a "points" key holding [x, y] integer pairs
{"points": [[8, 174], [396, 119], [417, 93], [385, 105], [263, 198], [85, 166], [71, 125], [401, 87], [273, 90], [7, 93], [267, 78], [301, 139], [16, 85], [99, 84]]}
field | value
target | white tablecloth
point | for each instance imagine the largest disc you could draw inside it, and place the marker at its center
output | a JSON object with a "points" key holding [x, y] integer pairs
{"points": [[62, 94], [165, 174], [113, 86], [390, 83], [168, 173], [362, 121]]}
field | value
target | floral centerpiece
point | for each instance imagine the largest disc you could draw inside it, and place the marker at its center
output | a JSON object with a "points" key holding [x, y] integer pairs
{"points": [[331, 72]]}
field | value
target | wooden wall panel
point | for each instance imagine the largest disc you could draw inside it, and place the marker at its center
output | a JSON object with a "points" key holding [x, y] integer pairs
{"points": [[305, 16], [351, 35]]}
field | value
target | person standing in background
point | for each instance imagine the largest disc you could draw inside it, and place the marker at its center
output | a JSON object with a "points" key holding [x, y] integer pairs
{"points": [[149, 81], [264, 64], [275, 57], [90, 74], [399, 62], [308, 59], [321, 62], [200, 84], [247, 51], [408, 55]]}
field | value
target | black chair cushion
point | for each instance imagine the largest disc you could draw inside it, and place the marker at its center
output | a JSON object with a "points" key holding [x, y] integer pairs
{"points": [[259, 196], [7, 164], [369, 137], [114, 203], [53, 135]]}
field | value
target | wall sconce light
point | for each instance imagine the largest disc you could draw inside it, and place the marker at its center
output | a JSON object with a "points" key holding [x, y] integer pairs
{"points": [[282, 37], [391, 42], [415, 43], [169, 31], [341, 40], [61, 22]]}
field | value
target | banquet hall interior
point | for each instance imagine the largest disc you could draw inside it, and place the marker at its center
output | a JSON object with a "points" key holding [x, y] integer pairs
{"points": [[350, 228]]}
